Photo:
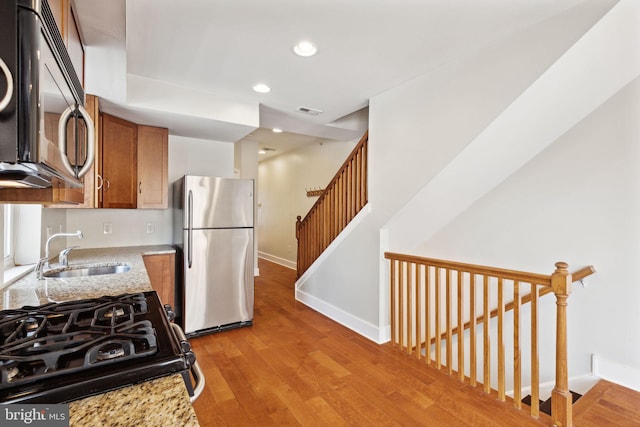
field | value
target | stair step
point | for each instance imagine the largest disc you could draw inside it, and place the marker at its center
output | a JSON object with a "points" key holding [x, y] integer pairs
{"points": [[546, 405]]}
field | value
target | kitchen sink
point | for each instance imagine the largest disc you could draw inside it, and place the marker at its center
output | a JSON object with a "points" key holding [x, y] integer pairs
{"points": [[87, 270]]}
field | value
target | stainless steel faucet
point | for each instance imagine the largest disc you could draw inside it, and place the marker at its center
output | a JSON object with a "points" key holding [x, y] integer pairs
{"points": [[43, 263]]}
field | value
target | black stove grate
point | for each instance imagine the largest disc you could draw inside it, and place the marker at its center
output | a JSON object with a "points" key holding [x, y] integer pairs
{"points": [[62, 338]]}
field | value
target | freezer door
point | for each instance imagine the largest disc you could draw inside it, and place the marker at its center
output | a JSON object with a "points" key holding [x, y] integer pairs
{"points": [[211, 202], [218, 278]]}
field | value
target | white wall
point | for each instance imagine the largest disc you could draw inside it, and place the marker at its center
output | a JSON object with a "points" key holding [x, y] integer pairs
{"points": [[246, 167], [186, 156], [579, 202], [415, 130], [283, 181]]}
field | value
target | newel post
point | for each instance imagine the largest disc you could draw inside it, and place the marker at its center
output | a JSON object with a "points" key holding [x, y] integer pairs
{"points": [[561, 399], [298, 256]]}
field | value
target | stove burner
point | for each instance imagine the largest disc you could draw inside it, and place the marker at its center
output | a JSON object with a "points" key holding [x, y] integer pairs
{"points": [[110, 351], [12, 373], [31, 326], [114, 312]]}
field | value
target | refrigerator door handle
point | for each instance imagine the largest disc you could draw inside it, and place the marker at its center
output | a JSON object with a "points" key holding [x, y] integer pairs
{"points": [[190, 230]]}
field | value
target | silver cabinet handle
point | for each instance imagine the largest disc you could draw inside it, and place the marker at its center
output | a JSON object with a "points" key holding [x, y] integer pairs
{"points": [[195, 368], [62, 140], [99, 177], [106, 181], [7, 75]]}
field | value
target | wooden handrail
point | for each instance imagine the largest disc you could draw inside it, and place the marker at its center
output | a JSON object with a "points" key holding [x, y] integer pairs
{"points": [[425, 294], [521, 276], [339, 203], [577, 276]]}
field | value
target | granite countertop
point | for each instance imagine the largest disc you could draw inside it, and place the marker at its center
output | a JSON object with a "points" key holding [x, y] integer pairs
{"points": [[163, 401]]}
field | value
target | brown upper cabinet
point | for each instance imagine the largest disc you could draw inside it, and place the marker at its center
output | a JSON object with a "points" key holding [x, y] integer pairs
{"points": [[134, 163], [153, 167], [119, 163]]}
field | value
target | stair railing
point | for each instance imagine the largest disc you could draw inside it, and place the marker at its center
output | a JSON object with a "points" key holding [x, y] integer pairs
{"points": [[430, 298], [338, 204]]}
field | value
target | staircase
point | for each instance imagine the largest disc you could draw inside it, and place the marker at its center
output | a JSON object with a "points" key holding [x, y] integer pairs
{"points": [[434, 300], [338, 204]]}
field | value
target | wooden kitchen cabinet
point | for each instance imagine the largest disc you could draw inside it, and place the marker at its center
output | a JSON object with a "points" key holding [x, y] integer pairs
{"points": [[119, 163], [153, 167], [134, 163], [161, 270]]}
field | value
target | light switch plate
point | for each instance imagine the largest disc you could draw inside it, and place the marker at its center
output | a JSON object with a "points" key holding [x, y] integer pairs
{"points": [[150, 228]]}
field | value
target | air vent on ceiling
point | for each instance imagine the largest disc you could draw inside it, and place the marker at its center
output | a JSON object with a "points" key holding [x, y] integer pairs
{"points": [[308, 110]]}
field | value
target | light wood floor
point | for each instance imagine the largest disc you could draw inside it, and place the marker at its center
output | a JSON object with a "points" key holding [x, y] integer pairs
{"points": [[296, 367], [608, 404]]}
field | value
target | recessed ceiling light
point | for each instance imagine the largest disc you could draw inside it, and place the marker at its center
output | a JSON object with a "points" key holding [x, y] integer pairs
{"points": [[305, 48], [277, 130], [261, 88]]}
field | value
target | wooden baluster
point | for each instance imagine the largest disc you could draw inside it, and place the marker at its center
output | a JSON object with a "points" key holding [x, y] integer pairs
{"points": [[487, 342], [517, 374], [401, 301], [409, 306], [535, 362], [448, 312], [394, 283], [460, 329], [427, 314], [345, 199], [364, 172], [501, 368], [417, 308], [561, 399], [438, 335], [298, 224], [473, 375], [357, 181]]}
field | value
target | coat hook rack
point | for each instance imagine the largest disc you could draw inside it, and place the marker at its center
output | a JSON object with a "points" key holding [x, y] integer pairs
{"points": [[314, 191]]}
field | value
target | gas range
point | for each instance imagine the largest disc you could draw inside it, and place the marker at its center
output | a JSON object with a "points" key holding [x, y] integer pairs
{"points": [[60, 352]]}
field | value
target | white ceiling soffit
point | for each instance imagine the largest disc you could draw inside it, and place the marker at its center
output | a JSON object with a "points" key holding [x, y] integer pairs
{"points": [[220, 49]]}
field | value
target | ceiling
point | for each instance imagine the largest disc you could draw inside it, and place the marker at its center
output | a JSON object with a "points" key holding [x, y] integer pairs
{"points": [[192, 63]]}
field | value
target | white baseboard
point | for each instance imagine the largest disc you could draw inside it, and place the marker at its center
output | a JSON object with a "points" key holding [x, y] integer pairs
{"points": [[615, 372], [276, 259], [358, 325]]}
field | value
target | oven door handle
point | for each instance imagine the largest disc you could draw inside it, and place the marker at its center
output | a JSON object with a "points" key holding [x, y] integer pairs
{"points": [[195, 368]]}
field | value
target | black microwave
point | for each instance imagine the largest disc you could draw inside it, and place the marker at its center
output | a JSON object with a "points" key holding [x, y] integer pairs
{"points": [[46, 135]]}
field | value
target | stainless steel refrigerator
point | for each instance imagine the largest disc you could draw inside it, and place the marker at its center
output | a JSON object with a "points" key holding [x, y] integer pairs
{"points": [[213, 232]]}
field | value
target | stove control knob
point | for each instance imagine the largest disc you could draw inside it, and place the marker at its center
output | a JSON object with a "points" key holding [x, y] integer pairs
{"points": [[185, 346], [171, 315], [191, 358]]}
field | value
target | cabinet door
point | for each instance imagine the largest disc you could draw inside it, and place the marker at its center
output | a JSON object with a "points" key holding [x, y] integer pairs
{"points": [[161, 272], [153, 165], [119, 163]]}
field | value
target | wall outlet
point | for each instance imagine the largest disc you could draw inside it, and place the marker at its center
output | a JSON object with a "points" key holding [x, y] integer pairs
{"points": [[49, 231], [150, 228], [106, 228]]}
